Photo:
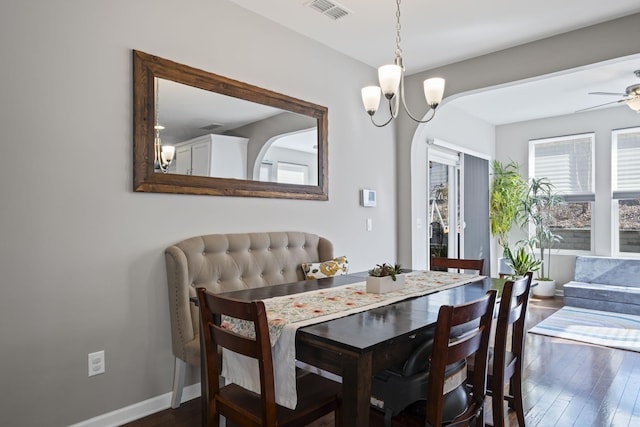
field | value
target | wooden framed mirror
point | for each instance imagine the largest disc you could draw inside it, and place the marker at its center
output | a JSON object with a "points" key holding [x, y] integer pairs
{"points": [[253, 142]]}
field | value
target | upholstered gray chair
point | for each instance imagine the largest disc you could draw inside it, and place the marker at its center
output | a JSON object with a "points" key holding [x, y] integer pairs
{"points": [[228, 262]]}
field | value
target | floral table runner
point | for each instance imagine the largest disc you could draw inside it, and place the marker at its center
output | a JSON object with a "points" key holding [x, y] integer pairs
{"points": [[286, 314]]}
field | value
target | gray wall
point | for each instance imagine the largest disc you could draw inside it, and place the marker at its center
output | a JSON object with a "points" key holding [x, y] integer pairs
{"points": [[82, 254]]}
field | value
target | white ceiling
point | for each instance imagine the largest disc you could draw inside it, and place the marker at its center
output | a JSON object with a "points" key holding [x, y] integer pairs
{"points": [[439, 33], [557, 95]]}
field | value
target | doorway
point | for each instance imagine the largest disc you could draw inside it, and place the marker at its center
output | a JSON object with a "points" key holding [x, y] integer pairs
{"points": [[444, 230]]}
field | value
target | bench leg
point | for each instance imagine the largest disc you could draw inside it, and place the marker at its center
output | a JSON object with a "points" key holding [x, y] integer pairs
{"points": [[178, 382]]}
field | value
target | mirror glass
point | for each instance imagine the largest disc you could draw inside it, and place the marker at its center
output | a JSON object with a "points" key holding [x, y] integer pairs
{"points": [[230, 138]]}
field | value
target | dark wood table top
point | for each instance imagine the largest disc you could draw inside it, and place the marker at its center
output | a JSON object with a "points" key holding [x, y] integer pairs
{"points": [[364, 331]]}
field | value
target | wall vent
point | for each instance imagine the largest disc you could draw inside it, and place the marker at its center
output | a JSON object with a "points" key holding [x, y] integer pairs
{"points": [[329, 8]]}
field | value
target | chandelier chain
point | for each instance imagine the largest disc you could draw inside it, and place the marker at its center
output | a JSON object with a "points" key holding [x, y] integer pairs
{"points": [[392, 86], [156, 103], [398, 28]]}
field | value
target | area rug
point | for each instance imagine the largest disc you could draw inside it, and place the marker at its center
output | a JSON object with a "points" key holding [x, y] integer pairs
{"points": [[592, 326]]}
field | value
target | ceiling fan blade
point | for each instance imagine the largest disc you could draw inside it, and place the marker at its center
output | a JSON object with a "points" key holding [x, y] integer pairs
{"points": [[607, 93], [601, 105]]}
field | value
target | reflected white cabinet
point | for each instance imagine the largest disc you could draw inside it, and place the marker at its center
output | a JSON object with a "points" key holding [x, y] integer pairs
{"points": [[220, 156]]}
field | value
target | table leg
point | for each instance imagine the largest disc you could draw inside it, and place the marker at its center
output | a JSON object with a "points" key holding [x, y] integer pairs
{"points": [[356, 390]]}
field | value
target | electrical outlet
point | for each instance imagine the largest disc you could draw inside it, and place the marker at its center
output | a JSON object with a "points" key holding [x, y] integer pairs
{"points": [[96, 363]]}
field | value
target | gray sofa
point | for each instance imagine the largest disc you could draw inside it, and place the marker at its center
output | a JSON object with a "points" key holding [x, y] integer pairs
{"points": [[602, 283], [228, 262]]}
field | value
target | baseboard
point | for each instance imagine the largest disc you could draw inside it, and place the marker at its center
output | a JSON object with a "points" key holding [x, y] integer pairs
{"points": [[139, 410]]}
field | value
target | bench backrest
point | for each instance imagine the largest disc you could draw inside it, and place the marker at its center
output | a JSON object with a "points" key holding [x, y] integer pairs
{"points": [[607, 271], [228, 262]]}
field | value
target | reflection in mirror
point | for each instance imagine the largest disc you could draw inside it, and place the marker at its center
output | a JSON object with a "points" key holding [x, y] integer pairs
{"points": [[289, 158], [230, 138]]}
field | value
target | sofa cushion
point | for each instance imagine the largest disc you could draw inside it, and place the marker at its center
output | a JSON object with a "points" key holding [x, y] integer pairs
{"points": [[597, 291], [601, 305], [318, 270]]}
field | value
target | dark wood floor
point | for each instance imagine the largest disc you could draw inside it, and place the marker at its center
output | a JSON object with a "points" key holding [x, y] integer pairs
{"points": [[567, 383]]}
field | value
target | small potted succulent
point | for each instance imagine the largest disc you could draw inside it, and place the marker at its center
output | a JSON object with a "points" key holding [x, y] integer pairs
{"points": [[522, 261], [385, 278]]}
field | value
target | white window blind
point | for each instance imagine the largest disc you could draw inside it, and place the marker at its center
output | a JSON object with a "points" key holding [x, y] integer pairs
{"points": [[291, 173], [567, 162], [626, 163]]}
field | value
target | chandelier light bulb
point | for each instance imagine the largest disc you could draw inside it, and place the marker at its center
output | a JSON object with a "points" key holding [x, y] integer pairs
{"points": [[371, 99], [389, 77], [167, 154], [433, 91]]}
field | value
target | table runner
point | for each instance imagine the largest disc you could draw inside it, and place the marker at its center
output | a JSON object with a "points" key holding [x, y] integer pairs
{"points": [[287, 313]]}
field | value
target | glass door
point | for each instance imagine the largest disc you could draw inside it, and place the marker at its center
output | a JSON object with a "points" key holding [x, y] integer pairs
{"points": [[444, 203]]}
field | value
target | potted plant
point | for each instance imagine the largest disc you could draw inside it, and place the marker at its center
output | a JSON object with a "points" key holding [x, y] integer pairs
{"points": [[522, 261], [507, 192], [385, 278], [537, 214]]}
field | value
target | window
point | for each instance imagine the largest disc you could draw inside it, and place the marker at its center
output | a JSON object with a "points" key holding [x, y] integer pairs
{"points": [[266, 171], [626, 189], [291, 173], [567, 162]]}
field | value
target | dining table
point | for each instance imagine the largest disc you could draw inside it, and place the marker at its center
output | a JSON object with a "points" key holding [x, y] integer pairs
{"points": [[357, 346]]}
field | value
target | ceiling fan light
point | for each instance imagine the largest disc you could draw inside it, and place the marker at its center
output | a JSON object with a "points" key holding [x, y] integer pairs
{"points": [[433, 91], [634, 103], [389, 76]]}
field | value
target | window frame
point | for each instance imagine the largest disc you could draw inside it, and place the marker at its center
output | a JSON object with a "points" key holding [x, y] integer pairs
{"points": [[589, 197], [616, 195]]}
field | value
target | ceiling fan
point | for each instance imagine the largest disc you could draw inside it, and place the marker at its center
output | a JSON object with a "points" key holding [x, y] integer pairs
{"points": [[631, 96]]}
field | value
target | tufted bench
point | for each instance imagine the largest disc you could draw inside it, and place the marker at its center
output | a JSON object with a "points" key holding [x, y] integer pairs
{"points": [[223, 263], [602, 283]]}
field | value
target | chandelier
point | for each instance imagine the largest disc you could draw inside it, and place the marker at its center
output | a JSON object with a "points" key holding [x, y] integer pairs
{"points": [[163, 154], [391, 79]]}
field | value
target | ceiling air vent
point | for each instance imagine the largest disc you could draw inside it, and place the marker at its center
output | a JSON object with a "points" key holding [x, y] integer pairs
{"points": [[211, 127], [329, 8]]}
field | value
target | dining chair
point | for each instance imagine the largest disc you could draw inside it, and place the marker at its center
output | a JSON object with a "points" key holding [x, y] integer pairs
{"points": [[450, 348], [461, 332], [508, 350], [459, 263], [317, 396]]}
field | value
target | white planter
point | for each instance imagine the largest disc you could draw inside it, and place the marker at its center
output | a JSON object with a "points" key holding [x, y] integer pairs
{"points": [[381, 285], [544, 288], [504, 267]]}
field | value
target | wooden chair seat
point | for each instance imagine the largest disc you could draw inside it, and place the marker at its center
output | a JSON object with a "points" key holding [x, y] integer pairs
{"points": [[318, 400]]}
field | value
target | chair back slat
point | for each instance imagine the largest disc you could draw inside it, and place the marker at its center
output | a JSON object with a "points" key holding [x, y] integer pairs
{"points": [[234, 342], [458, 263]]}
